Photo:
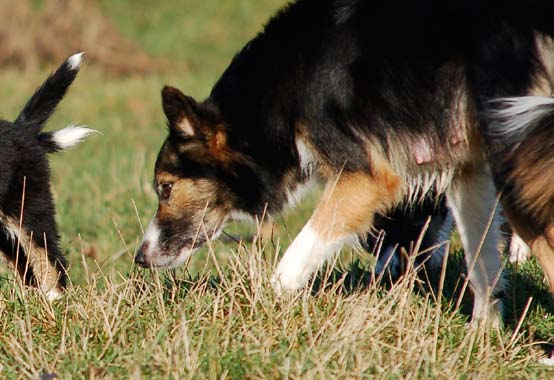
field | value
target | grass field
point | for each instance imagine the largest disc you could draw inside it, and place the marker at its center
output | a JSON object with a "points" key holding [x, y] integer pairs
{"points": [[219, 318]]}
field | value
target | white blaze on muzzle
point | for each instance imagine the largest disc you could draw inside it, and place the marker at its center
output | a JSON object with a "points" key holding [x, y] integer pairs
{"points": [[150, 240]]}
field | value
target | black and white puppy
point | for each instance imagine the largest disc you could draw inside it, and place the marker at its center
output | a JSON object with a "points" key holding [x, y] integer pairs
{"points": [[28, 234]]}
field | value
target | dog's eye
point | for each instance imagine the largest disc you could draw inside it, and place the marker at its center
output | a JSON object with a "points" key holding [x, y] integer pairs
{"points": [[164, 190]]}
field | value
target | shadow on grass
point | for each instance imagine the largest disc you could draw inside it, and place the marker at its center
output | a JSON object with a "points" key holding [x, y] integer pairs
{"points": [[526, 282], [526, 301]]}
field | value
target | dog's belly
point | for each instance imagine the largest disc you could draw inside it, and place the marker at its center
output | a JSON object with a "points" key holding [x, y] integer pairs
{"points": [[427, 167]]}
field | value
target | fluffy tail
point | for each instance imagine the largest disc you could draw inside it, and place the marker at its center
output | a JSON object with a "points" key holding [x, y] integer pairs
{"points": [[513, 120], [44, 101], [62, 139], [521, 138]]}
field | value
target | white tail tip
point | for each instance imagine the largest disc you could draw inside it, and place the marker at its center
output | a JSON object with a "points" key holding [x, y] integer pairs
{"points": [[71, 136], [74, 62]]}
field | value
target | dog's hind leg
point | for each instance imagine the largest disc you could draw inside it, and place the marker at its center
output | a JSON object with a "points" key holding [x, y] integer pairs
{"points": [[521, 133], [344, 213], [541, 244], [473, 201], [35, 262], [45, 270], [545, 254]]}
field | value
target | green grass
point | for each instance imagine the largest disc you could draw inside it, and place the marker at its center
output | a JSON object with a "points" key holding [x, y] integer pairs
{"points": [[219, 318]]}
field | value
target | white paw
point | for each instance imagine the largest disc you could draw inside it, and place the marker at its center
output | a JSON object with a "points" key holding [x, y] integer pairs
{"points": [[519, 250], [306, 255], [548, 361], [298, 263], [53, 294], [487, 310], [286, 279]]}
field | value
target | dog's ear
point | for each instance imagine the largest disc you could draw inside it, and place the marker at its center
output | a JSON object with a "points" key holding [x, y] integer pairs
{"points": [[181, 112], [195, 123]]}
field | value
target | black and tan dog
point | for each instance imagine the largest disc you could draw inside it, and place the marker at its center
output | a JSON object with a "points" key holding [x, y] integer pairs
{"points": [[386, 102], [28, 234]]}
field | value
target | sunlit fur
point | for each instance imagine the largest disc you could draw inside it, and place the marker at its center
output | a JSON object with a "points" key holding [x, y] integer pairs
{"points": [[384, 102]]}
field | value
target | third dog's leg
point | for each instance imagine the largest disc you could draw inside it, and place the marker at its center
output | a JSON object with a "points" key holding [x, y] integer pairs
{"points": [[545, 255], [345, 211], [473, 202]]}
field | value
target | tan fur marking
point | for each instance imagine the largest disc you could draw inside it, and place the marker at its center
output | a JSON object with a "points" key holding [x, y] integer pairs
{"points": [[218, 143], [532, 178], [211, 146], [549, 235], [196, 199], [44, 272], [544, 80], [219, 150], [166, 178], [545, 254], [184, 194], [349, 203], [542, 245]]}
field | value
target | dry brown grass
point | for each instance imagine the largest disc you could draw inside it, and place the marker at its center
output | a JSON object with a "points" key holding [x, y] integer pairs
{"points": [[231, 325], [30, 35]]}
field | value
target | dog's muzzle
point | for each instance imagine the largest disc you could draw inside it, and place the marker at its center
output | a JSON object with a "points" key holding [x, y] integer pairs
{"points": [[140, 257]]}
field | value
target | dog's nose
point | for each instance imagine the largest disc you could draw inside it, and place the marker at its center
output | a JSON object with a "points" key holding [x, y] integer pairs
{"points": [[140, 258]]}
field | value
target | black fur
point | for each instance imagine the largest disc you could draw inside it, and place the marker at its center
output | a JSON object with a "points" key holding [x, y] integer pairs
{"points": [[25, 177], [389, 70], [397, 232]]}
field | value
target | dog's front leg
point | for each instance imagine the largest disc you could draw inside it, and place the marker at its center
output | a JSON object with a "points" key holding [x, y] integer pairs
{"points": [[345, 211]]}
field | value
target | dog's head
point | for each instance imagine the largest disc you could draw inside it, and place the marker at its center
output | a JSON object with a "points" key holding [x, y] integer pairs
{"points": [[199, 178]]}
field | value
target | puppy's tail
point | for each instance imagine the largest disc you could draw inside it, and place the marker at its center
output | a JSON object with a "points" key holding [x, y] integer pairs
{"points": [[44, 101], [66, 138], [521, 142]]}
